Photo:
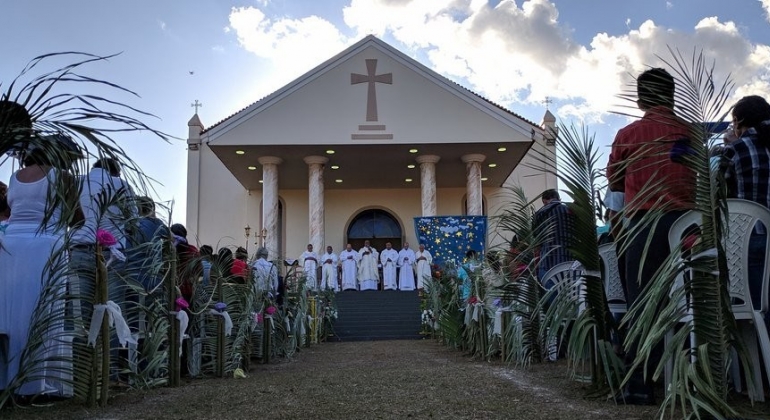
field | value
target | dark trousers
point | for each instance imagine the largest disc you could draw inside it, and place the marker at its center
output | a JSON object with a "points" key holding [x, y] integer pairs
{"points": [[640, 269]]}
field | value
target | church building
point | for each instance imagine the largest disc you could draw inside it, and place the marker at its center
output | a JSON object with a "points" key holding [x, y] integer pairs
{"points": [[355, 149]]}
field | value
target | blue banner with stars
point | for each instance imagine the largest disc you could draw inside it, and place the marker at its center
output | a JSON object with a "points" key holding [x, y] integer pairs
{"points": [[448, 238]]}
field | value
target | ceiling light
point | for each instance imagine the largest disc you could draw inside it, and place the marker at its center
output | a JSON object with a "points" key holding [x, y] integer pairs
{"points": [[260, 181], [252, 168], [501, 149], [335, 166], [240, 152], [408, 180], [330, 152], [410, 166], [339, 181], [492, 165], [412, 150], [484, 179]]}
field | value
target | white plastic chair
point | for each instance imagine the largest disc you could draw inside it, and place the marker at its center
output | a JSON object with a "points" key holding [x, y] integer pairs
{"points": [[613, 288], [565, 279], [743, 215]]}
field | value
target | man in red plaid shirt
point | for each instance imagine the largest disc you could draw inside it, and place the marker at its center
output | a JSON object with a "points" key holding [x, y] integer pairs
{"points": [[645, 163]]}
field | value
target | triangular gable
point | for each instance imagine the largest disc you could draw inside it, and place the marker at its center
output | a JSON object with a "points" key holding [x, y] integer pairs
{"points": [[303, 111]]}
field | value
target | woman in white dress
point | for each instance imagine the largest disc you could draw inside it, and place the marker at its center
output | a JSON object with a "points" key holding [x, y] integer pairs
{"points": [[42, 366]]}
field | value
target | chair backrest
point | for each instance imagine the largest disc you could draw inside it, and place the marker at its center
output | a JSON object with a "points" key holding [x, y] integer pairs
{"points": [[613, 288], [743, 216], [564, 276]]}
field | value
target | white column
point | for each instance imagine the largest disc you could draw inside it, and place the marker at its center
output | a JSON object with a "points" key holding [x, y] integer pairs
{"points": [[473, 185], [428, 183], [270, 203], [315, 187]]}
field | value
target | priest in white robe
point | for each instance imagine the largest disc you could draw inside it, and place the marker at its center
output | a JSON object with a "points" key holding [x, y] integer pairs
{"points": [[349, 262], [309, 261], [388, 259], [406, 260], [423, 271], [329, 265], [368, 273]]}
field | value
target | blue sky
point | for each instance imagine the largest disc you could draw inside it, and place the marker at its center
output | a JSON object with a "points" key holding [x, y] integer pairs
{"points": [[580, 53]]}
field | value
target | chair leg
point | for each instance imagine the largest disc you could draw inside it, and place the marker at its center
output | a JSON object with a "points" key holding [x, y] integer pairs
{"points": [[669, 369], [735, 370], [749, 338], [764, 344]]}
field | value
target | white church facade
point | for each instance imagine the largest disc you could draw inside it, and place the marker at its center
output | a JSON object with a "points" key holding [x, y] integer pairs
{"points": [[354, 150]]}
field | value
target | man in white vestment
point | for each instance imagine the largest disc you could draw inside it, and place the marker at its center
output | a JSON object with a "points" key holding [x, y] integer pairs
{"points": [[424, 261], [329, 270], [368, 274], [406, 259], [265, 273], [349, 263], [309, 261], [388, 259]]}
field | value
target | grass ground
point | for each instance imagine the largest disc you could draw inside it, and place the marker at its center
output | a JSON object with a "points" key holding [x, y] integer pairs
{"points": [[363, 380]]}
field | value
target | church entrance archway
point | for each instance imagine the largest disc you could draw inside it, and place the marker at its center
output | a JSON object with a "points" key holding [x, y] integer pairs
{"points": [[376, 225]]}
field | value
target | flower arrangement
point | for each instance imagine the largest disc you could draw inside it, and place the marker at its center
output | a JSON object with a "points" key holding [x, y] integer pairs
{"points": [[220, 306], [270, 310], [428, 318], [105, 238]]}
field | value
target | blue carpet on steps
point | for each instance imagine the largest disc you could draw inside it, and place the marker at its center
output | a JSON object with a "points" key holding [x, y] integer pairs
{"points": [[377, 315]]}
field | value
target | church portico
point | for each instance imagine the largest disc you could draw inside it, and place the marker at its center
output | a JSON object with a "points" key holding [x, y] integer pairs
{"points": [[369, 129]]}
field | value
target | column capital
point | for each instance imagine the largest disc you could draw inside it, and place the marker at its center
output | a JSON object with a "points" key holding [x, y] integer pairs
{"points": [[269, 160], [473, 157], [315, 160], [428, 159]]}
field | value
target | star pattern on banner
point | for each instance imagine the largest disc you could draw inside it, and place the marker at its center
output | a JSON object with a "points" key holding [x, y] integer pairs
{"points": [[448, 238]]}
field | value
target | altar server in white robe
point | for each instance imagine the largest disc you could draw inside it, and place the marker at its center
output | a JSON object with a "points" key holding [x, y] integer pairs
{"points": [[368, 273], [424, 260], [349, 263], [329, 271], [406, 259], [309, 261], [388, 259]]}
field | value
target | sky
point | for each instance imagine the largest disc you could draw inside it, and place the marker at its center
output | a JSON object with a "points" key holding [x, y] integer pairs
{"points": [[228, 54]]}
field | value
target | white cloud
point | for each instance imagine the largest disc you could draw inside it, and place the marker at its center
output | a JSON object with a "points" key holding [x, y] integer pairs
{"points": [[522, 54], [766, 6], [218, 49], [292, 45], [669, 5], [508, 53], [162, 25]]}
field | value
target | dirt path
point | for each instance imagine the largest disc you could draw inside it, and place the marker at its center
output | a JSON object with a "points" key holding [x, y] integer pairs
{"points": [[365, 380]]}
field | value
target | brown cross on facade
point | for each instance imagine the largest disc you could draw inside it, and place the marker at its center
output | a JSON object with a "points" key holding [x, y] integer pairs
{"points": [[371, 77]]}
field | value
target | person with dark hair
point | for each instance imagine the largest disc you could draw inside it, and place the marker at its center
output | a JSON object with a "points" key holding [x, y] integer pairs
{"points": [[187, 256], [746, 163], [641, 156], [32, 261], [240, 268], [553, 223], [207, 256], [112, 166], [145, 256]]}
